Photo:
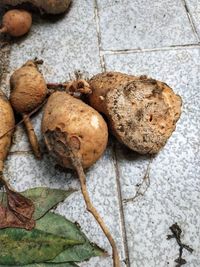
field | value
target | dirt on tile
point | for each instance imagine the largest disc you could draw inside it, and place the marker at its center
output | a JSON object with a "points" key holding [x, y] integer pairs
{"points": [[4, 59]]}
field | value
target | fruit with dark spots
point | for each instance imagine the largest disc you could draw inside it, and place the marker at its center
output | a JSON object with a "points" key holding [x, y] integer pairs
{"points": [[141, 112]]}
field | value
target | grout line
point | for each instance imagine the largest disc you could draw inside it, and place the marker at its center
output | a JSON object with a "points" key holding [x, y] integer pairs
{"points": [[141, 50], [124, 233], [191, 20], [97, 19]]}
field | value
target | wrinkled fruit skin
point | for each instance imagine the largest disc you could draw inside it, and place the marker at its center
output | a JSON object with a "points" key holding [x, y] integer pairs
{"points": [[101, 84], [68, 117], [48, 6], [17, 22], [7, 122], [28, 88], [142, 112]]}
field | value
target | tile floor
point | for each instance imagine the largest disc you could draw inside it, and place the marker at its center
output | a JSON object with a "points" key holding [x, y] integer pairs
{"points": [[158, 38]]}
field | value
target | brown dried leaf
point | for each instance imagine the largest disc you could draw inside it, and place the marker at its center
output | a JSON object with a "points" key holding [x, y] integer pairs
{"points": [[17, 211], [9, 219], [19, 204]]}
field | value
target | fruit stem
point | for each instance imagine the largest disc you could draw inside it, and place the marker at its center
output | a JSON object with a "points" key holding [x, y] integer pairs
{"points": [[32, 136], [20, 122], [76, 162]]}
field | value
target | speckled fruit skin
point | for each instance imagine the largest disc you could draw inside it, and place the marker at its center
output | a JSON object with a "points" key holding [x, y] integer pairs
{"points": [[28, 88], [17, 22], [7, 122], [47, 6], [68, 117], [141, 112]]}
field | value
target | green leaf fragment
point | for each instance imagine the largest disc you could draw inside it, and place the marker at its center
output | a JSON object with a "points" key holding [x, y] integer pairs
{"points": [[54, 223], [21, 247], [45, 198], [66, 264]]}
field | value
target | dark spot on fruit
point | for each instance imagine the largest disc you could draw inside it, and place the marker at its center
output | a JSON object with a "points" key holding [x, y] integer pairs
{"points": [[121, 128], [109, 74], [80, 85], [139, 114]]}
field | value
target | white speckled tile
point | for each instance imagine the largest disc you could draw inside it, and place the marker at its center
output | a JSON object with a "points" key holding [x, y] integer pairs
{"points": [[173, 195], [194, 10], [65, 45], [143, 24], [24, 171]]}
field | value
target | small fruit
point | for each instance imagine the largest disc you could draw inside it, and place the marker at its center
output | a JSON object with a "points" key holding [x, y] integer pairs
{"points": [[6, 128], [68, 117], [28, 91], [16, 22]]}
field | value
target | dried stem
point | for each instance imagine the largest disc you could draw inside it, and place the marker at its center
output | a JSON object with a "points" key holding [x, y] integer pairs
{"points": [[176, 233], [79, 86], [143, 186], [32, 136], [79, 168], [29, 115]]}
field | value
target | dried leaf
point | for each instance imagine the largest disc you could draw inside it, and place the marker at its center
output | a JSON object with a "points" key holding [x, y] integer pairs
{"points": [[16, 211], [20, 204], [21, 247], [66, 264], [9, 219], [45, 198], [56, 224]]}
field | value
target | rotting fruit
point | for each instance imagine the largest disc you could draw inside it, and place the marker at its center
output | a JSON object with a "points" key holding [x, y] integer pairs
{"points": [[142, 112]]}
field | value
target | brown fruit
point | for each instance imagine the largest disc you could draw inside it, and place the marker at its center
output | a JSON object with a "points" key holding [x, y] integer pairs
{"points": [[16, 22], [142, 112], [47, 6], [28, 91], [6, 127], [76, 136], [66, 117], [28, 88]]}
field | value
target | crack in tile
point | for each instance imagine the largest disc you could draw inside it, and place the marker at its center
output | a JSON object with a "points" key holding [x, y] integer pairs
{"points": [[97, 19], [143, 186], [124, 234], [141, 50], [191, 20]]}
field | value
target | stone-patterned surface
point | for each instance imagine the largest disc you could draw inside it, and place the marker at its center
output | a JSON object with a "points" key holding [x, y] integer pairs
{"points": [[143, 24], [173, 195], [194, 9]]}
